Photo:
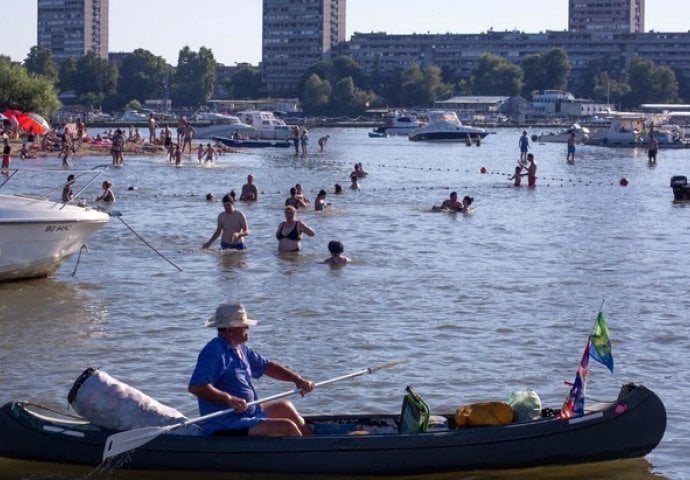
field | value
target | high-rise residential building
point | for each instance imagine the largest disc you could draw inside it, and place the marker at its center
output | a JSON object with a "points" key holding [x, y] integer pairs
{"points": [[297, 34], [605, 16], [71, 28]]}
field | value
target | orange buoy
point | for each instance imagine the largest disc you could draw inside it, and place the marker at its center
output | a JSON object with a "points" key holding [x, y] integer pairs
{"points": [[482, 170]]}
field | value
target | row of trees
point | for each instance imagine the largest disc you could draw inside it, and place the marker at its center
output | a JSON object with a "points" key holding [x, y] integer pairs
{"points": [[141, 76], [337, 87], [341, 87]]}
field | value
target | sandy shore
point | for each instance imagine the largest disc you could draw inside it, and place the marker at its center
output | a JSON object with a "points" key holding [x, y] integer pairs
{"points": [[89, 149]]}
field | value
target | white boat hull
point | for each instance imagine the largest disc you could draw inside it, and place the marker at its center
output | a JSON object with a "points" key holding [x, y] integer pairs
{"points": [[37, 236], [444, 126], [224, 130], [447, 135]]}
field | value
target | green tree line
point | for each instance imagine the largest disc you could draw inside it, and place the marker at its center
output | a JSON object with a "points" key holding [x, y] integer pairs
{"points": [[337, 87]]}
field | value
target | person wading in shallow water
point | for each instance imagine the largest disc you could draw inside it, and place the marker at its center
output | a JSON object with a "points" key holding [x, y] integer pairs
{"points": [[290, 232], [232, 224], [531, 171]]}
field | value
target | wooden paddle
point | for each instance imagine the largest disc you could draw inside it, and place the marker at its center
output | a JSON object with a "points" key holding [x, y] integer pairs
{"points": [[130, 439]]}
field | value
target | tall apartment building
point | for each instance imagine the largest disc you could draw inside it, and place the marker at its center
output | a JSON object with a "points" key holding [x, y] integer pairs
{"points": [[599, 16], [461, 53], [71, 28], [297, 34]]}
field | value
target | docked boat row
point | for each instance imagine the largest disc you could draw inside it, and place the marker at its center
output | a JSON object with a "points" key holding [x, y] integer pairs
{"points": [[38, 235], [633, 130], [629, 426], [623, 130]]}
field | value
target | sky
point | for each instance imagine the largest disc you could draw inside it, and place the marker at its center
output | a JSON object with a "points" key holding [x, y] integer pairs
{"points": [[232, 28]]}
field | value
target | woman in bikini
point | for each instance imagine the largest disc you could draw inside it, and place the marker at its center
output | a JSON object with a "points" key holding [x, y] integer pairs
{"points": [[290, 231]]}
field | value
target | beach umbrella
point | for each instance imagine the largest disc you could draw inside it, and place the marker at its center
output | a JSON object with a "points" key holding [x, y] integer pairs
{"points": [[12, 113], [33, 122]]}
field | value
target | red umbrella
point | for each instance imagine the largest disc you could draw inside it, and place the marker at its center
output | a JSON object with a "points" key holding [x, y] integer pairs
{"points": [[12, 113], [33, 122]]}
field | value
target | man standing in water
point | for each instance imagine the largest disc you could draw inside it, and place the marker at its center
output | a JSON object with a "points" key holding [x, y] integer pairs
{"points": [[187, 135], [524, 146], [531, 171], [233, 225], [652, 148], [152, 129], [294, 136], [571, 148]]}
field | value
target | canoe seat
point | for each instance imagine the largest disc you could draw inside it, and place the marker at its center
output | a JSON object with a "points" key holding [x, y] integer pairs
{"points": [[414, 415]]}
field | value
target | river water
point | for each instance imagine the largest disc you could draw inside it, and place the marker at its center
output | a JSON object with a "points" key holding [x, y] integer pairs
{"points": [[480, 305]]}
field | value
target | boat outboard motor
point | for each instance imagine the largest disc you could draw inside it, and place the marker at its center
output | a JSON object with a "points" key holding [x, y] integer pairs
{"points": [[679, 184]]}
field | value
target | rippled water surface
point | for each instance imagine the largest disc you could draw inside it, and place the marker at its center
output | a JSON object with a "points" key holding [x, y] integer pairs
{"points": [[481, 305]]}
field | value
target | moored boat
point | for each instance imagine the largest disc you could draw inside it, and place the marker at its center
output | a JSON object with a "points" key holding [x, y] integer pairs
{"points": [[221, 125], [399, 123], [628, 427], [377, 134], [37, 235], [445, 126], [252, 143], [266, 125], [562, 136]]}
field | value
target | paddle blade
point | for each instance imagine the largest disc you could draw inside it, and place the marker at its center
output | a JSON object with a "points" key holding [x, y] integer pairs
{"points": [[392, 364], [129, 440]]}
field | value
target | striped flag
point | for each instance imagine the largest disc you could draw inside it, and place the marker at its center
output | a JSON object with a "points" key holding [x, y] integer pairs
{"points": [[599, 348], [574, 405]]}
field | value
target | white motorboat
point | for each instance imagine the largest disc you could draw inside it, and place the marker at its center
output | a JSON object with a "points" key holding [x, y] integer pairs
{"points": [[37, 235], [562, 136], [397, 123], [623, 131], [445, 126], [221, 125], [266, 125], [134, 116]]}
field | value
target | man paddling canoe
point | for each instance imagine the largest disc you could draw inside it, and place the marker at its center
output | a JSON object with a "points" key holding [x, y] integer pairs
{"points": [[223, 376]]}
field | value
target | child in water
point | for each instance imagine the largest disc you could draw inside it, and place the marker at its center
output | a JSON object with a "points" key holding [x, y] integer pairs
{"points": [[517, 177], [336, 248]]}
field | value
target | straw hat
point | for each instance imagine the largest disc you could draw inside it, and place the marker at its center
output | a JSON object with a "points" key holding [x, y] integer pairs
{"points": [[230, 315]]}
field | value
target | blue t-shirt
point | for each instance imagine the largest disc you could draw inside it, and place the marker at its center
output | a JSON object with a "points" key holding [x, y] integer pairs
{"points": [[524, 142], [231, 371]]}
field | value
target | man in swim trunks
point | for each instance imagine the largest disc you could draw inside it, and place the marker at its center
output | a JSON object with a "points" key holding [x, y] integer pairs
{"points": [[571, 147], [523, 143], [531, 171], [652, 148], [452, 203], [233, 225], [223, 379]]}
